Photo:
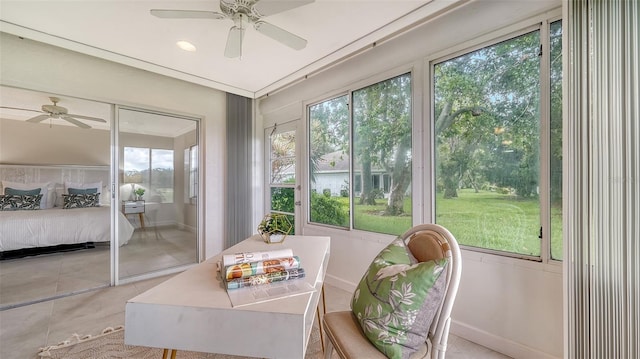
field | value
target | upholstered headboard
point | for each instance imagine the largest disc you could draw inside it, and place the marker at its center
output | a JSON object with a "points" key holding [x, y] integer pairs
{"points": [[57, 175]]}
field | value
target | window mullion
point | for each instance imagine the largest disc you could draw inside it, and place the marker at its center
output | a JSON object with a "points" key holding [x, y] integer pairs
{"points": [[545, 144]]}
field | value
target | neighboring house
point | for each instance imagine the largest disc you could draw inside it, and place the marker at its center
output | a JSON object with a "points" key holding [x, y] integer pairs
{"points": [[333, 174]]}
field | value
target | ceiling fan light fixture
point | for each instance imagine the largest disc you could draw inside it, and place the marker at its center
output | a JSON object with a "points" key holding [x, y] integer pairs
{"points": [[244, 13], [186, 46]]}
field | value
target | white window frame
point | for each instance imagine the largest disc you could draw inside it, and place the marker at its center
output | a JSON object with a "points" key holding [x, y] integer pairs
{"points": [[541, 24]]}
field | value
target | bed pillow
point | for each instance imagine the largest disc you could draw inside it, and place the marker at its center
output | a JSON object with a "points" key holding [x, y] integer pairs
{"points": [[82, 190], [19, 192], [44, 191], [81, 200], [15, 202], [79, 185], [396, 300]]}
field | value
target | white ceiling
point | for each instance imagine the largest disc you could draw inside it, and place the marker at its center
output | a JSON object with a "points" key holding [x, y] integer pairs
{"points": [[125, 32]]}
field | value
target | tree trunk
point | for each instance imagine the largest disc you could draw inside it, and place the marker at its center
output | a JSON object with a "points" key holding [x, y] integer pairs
{"points": [[367, 196], [400, 180]]}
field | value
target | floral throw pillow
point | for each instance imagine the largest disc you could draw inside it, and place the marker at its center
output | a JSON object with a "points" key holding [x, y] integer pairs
{"points": [[396, 300], [14, 202], [81, 200]]}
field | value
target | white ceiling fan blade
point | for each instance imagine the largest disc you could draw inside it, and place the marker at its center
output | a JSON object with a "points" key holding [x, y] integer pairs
{"points": [[74, 121], [186, 14], [234, 42], [281, 35], [88, 118], [38, 118], [270, 7]]}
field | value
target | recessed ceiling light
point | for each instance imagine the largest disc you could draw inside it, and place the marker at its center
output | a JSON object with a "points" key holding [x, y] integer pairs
{"points": [[186, 46]]}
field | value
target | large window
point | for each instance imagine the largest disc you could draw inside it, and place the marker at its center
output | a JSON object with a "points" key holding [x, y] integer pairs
{"points": [[152, 170], [282, 174], [363, 181], [555, 151], [329, 164], [488, 146]]}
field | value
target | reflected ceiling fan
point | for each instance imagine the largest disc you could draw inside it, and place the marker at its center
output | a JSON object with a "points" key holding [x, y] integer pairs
{"points": [[243, 13], [58, 112]]}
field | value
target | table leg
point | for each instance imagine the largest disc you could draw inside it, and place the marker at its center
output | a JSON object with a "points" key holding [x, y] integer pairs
{"points": [[141, 216], [324, 311], [165, 353]]}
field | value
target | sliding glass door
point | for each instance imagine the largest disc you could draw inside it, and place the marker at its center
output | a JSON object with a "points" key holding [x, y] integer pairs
{"points": [[61, 245], [158, 181]]}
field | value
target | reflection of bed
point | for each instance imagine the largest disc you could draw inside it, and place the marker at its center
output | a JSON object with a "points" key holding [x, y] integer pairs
{"points": [[57, 226]]}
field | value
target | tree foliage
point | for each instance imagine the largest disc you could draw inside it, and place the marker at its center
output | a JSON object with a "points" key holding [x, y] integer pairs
{"points": [[382, 138], [487, 118], [329, 130]]}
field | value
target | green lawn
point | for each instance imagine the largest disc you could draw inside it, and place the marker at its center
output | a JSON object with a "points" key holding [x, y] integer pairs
{"points": [[485, 219], [491, 220]]}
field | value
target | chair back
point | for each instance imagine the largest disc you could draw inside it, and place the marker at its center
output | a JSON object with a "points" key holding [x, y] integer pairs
{"points": [[428, 242]]}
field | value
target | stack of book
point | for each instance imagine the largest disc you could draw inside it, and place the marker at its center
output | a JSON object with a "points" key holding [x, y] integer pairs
{"points": [[242, 270]]}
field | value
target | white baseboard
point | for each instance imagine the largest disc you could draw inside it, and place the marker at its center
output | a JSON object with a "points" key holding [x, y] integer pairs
{"points": [[340, 283], [497, 343], [479, 336]]}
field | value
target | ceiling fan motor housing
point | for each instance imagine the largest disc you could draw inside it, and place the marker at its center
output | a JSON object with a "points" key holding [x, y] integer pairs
{"points": [[54, 110]]}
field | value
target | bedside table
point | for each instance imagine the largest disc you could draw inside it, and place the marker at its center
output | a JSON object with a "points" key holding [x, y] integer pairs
{"points": [[133, 207]]}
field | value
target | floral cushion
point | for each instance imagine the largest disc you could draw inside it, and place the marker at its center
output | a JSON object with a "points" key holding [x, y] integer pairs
{"points": [[14, 202], [396, 300], [81, 200]]}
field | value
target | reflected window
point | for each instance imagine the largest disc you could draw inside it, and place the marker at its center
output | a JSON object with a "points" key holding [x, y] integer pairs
{"points": [[151, 170]]}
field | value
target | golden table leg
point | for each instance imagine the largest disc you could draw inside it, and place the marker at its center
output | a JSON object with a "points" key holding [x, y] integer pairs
{"points": [[324, 311], [141, 216], [166, 352]]}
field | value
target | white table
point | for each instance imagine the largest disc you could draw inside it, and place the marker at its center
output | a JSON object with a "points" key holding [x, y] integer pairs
{"points": [[192, 311]]}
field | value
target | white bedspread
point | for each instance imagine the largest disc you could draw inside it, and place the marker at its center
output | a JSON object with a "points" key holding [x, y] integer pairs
{"points": [[50, 227]]}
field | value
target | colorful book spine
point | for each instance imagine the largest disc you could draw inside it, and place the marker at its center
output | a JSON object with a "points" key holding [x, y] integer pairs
{"points": [[262, 267], [266, 278], [246, 257]]}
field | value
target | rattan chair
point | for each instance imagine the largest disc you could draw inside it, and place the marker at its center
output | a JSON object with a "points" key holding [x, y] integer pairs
{"points": [[426, 242]]}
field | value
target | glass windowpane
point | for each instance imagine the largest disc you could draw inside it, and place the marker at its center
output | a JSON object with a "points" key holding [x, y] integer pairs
{"points": [[329, 163], [556, 138], [382, 148], [487, 146], [283, 160], [282, 199]]}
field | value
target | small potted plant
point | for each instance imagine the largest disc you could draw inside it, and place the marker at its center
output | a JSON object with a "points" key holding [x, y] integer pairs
{"points": [[274, 227], [139, 193]]}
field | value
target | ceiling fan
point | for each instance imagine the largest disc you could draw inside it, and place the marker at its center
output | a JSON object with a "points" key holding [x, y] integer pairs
{"points": [[243, 13], [58, 112]]}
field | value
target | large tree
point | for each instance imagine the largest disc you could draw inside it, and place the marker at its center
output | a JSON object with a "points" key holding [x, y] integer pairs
{"points": [[486, 105], [382, 138]]}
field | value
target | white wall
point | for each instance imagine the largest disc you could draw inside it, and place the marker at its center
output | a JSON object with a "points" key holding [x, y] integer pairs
{"points": [[36, 66], [37, 144], [513, 306]]}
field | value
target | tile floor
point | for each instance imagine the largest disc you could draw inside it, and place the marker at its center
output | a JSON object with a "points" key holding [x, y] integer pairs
{"points": [[45, 276], [25, 329]]}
